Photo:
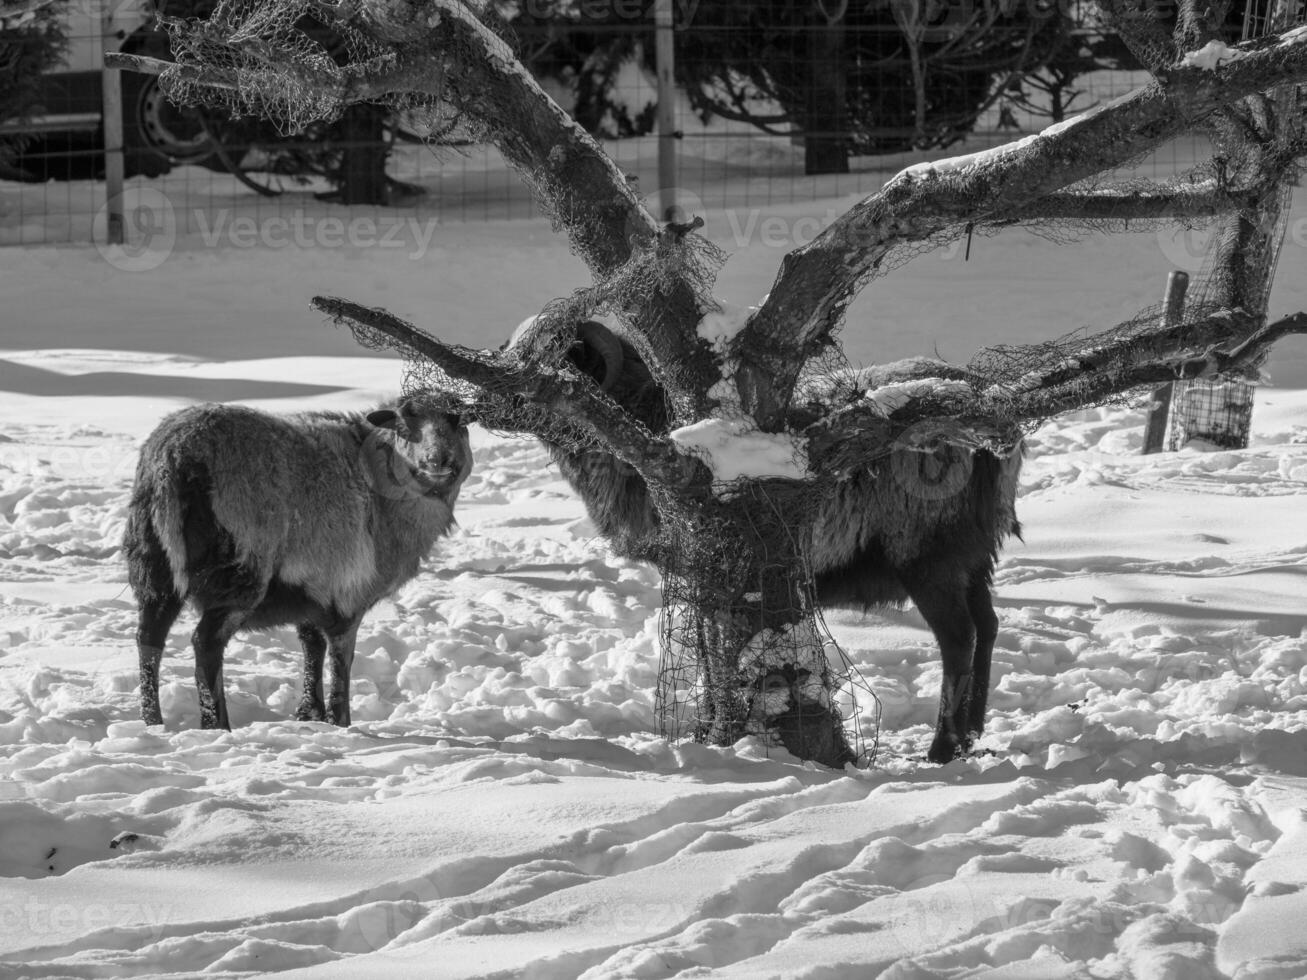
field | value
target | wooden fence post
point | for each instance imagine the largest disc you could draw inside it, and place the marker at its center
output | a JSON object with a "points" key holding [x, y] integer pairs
{"points": [[1160, 407]]}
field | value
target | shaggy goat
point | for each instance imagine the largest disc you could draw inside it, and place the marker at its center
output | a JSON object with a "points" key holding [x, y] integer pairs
{"points": [[919, 525], [261, 520]]}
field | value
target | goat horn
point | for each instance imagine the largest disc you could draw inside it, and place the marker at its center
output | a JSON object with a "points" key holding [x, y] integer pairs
{"points": [[601, 341]]}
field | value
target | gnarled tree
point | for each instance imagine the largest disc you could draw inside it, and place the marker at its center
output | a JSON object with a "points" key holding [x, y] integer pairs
{"points": [[733, 546]]}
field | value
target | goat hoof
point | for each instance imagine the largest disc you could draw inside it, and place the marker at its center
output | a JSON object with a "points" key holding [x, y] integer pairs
{"points": [[947, 748]]}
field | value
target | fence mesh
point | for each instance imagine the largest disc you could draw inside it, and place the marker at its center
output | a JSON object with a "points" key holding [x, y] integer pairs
{"points": [[599, 65]]}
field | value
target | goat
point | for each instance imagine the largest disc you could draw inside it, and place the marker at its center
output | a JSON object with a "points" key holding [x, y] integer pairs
{"points": [[261, 520], [921, 525]]}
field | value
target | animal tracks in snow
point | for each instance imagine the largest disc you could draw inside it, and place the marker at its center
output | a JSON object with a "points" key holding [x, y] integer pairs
{"points": [[501, 807]]}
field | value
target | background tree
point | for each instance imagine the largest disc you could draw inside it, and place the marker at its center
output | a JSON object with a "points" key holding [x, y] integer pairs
{"points": [[749, 379], [859, 78], [33, 40], [585, 47], [848, 78], [1081, 45]]}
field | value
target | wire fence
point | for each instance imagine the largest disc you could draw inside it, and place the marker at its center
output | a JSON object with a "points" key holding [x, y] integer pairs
{"points": [[52, 191]]}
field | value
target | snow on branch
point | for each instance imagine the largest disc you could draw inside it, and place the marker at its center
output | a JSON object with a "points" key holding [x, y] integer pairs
{"points": [[1130, 203]]}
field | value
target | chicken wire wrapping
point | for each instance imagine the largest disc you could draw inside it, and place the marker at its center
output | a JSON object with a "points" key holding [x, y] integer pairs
{"points": [[292, 63], [744, 649]]}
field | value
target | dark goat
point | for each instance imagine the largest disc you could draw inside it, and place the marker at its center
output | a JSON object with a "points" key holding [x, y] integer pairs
{"points": [[261, 520], [922, 524]]}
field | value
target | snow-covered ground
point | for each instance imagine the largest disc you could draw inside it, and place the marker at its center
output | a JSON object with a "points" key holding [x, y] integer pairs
{"points": [[501, 806]]}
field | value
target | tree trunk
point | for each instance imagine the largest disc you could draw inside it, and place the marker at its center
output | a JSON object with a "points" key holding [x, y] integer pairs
{"points": [[747, 653], [363, 161], [1057, 111], [825, 145]]}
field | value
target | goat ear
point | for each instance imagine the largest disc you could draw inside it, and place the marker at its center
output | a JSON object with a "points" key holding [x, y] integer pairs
{"points": [[384, 418]]}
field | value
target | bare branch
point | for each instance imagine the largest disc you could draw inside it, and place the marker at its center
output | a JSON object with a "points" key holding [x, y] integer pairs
{"points": [[1096, 387], [816, 282], [1126, 204], [852, 436], [559, 395], [150, 66]]}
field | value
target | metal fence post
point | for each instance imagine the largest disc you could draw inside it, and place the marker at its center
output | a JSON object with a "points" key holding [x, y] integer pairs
{"points": [[664, 55], [112, 109]]}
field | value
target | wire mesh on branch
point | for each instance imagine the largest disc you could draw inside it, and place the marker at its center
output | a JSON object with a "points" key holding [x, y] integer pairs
{"points": [[292, 62], [744, 649], [1076, 355]]}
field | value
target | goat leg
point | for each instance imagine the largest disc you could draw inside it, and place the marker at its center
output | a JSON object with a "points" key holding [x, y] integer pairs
{"points": [[157, 616], [944, 608], [342, 659], [314, 641], [951, 738], [215, 629], [981, 605]]}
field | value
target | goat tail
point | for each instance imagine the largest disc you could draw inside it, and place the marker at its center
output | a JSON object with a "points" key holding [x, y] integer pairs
{"points": [[155, 537]]}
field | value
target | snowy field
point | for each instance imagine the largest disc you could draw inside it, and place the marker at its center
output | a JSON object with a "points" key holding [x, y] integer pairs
{"points": [[502, 807]]}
